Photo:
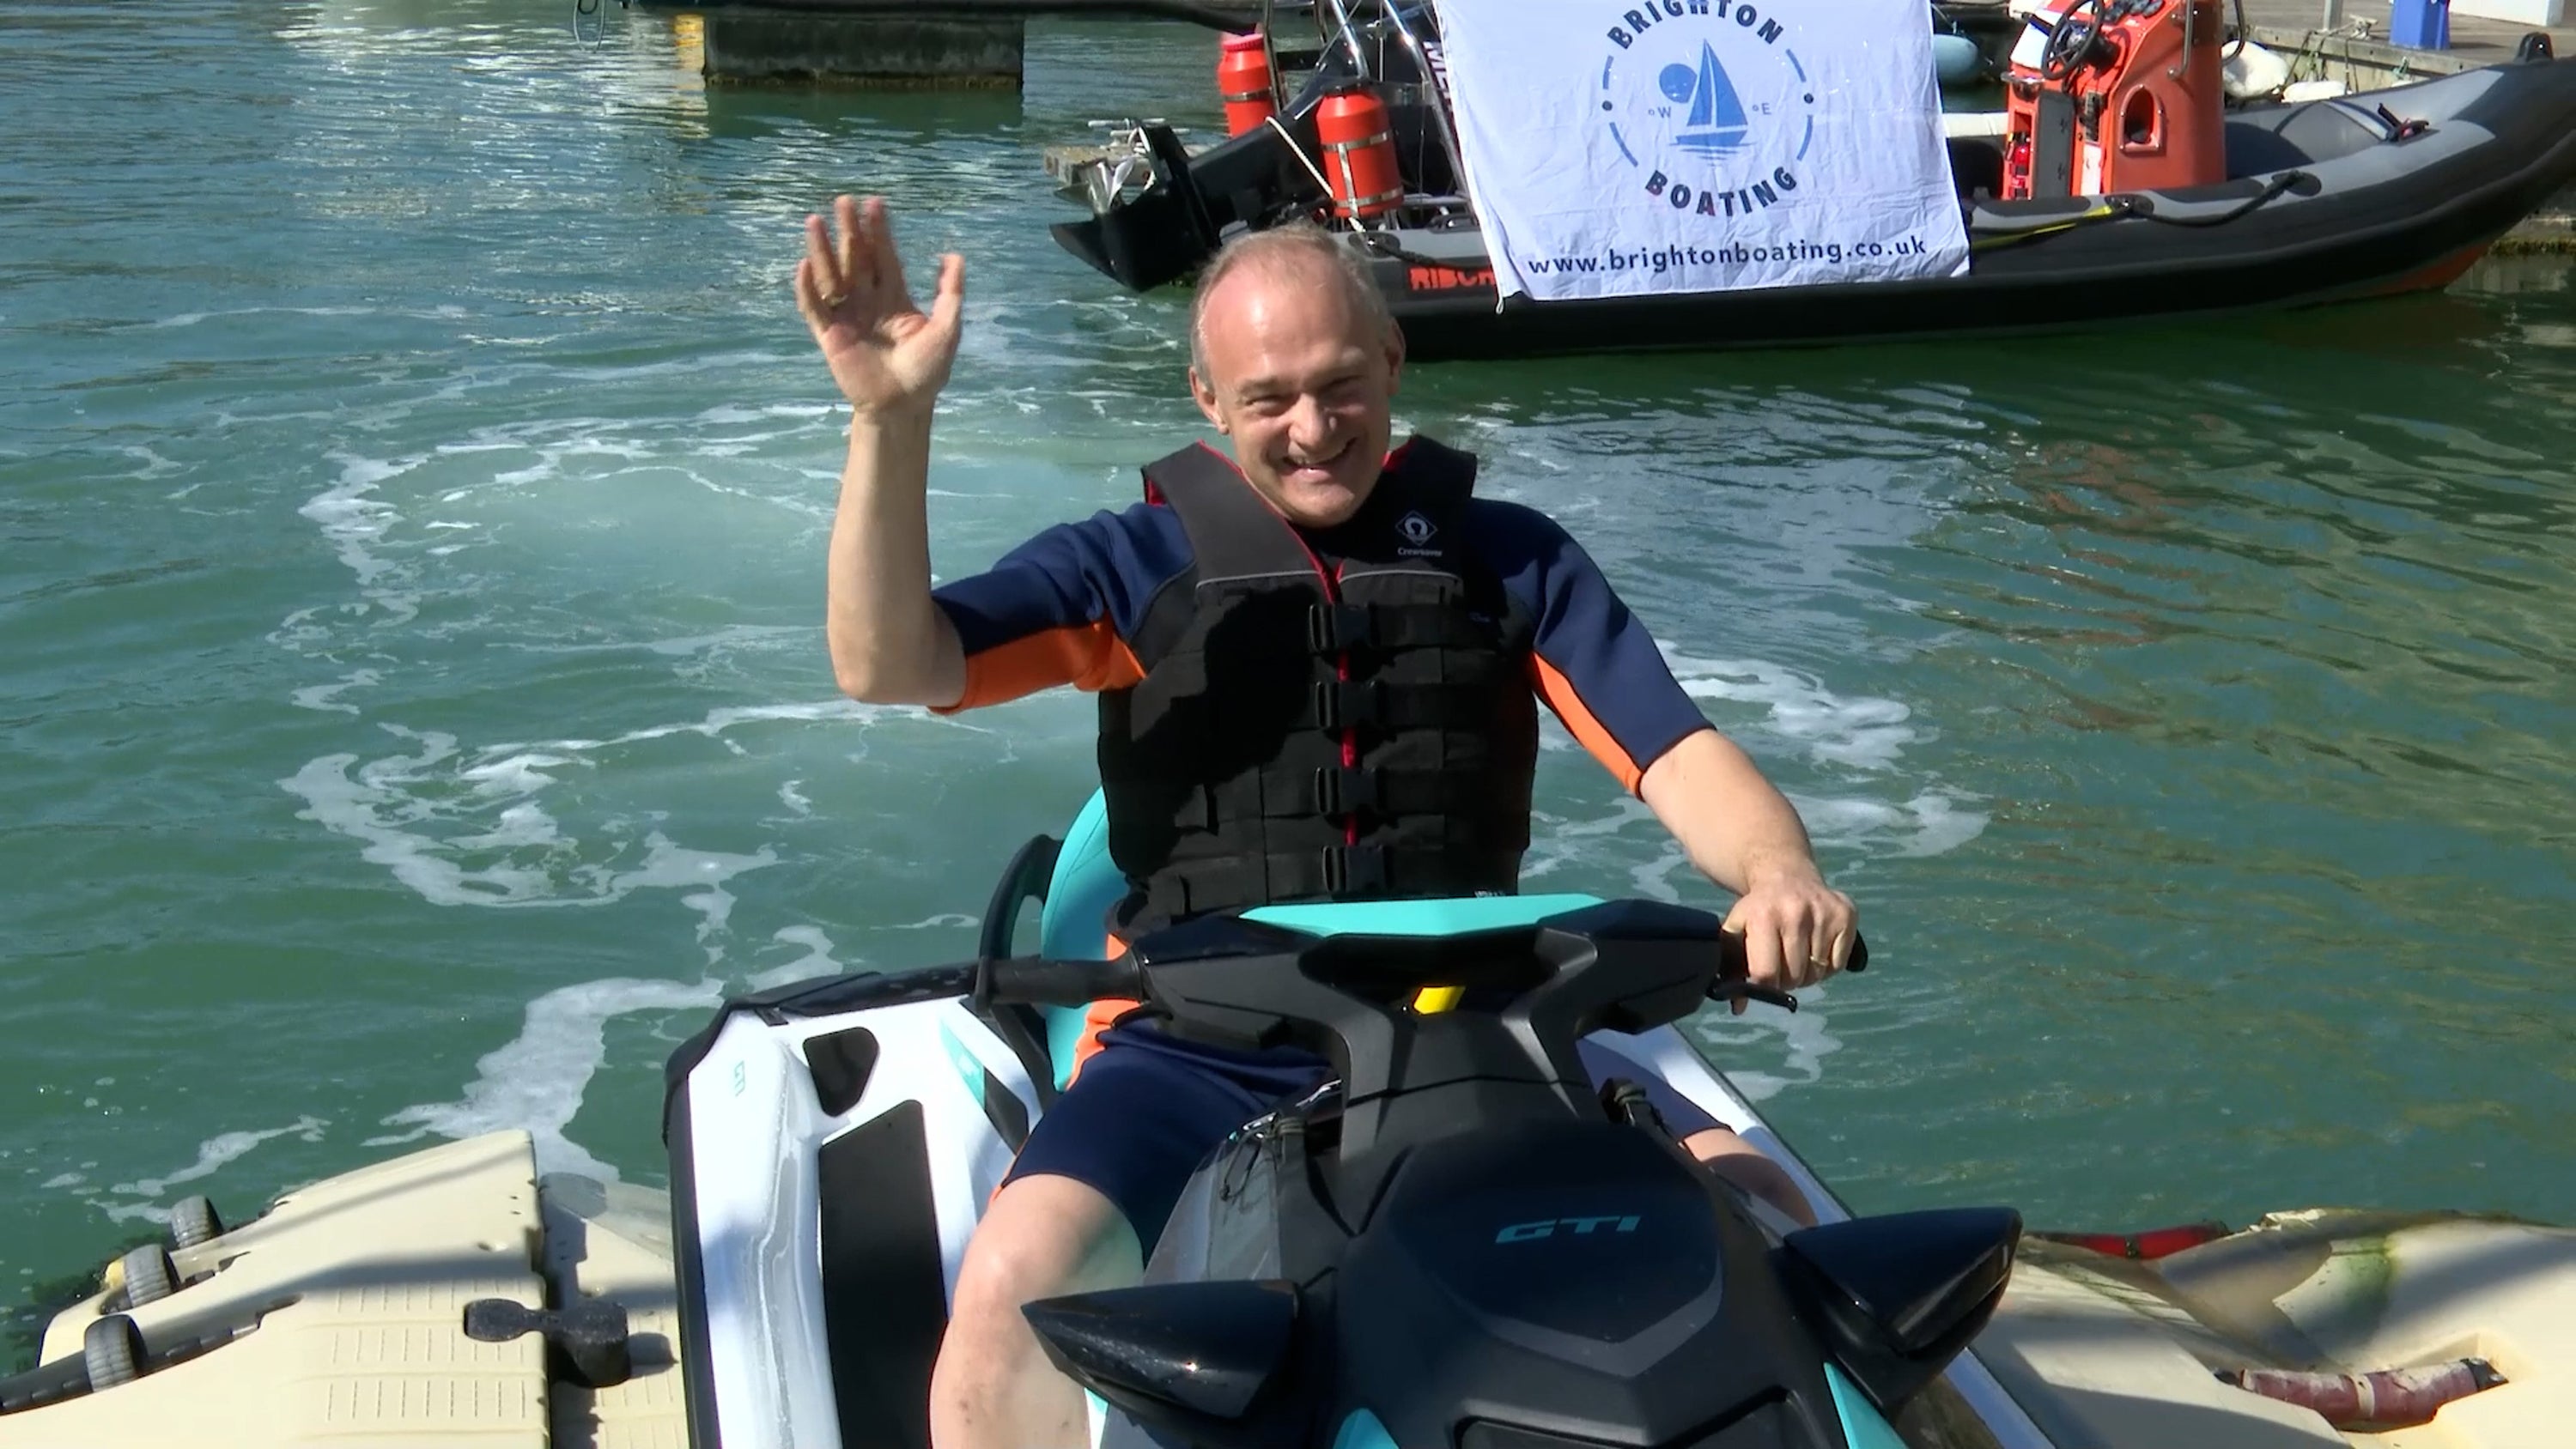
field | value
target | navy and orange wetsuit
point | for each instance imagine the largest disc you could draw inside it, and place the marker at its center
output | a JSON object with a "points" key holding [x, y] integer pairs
{"points": [[1062, 610]]}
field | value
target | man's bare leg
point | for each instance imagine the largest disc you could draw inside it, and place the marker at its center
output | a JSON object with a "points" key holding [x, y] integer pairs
{"points": [[993, 1388], [1744, 1165]]}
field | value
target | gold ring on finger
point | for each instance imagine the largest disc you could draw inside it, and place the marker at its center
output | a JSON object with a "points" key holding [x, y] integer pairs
{"points": [[836, 299]]}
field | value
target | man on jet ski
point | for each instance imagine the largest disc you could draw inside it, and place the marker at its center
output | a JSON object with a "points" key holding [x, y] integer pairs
{"points": [[1318, 666]]}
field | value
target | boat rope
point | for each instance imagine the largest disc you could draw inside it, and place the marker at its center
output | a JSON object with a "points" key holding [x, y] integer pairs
{"points": [[2118, 206], [2278, 186], [1312, 169], [2109, 208]]}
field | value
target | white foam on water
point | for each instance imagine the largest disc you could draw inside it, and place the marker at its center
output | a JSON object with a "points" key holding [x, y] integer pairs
{"points": [[353, 520], [1930, 823], [327, 696], [138, 1198], [536, 1081], [717, 721], [1862, 734], [818, 959], [1803, 1040], [1556, 842], [191, 319], [794, 798], [947, 921], [473, 834]]}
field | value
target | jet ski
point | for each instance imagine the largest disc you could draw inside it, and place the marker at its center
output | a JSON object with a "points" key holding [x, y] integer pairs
{"points": [[2362, 195], [1453, 1244], [1461, 1245]]}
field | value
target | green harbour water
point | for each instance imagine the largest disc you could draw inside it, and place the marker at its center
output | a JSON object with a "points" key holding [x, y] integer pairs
{"points": [[414, 713]]}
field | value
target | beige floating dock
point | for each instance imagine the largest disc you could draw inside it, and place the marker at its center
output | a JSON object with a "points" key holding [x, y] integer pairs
{"points": [[337, 1320]]}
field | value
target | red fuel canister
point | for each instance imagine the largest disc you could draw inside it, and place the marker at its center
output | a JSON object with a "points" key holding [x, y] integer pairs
{"points": [[1243, 82], [1359, 155]]}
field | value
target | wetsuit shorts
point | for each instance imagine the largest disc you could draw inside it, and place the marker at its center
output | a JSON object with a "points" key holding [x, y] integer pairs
{"points": [[1148, 1108]]}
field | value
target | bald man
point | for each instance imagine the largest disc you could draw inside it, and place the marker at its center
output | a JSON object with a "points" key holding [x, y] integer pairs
{"points": [[1319, 662]]}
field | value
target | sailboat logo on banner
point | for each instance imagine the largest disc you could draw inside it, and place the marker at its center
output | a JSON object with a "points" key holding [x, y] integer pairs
{"points": [[1716, 120], [1711, 103]]}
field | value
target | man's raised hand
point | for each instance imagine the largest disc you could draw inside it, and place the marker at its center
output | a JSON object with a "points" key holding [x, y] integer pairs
{"points": [[887, 357]]}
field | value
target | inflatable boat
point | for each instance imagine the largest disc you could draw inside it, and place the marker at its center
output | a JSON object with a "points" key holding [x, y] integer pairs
{"points": [[1461, 1244], [2362, 195]]}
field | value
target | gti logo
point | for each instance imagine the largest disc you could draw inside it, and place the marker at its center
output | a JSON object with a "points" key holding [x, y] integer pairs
{"points": [[1579, 1227]]}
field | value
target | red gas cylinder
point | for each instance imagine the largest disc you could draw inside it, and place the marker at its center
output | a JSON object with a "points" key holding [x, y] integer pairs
{"points": [[2116, 95], [1243, 82], [1359, 155]]}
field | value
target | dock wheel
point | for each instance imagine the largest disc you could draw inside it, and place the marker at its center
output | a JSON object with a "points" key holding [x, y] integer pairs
{"points": [[147, 1274], [193, 1222], [112, 1352]]}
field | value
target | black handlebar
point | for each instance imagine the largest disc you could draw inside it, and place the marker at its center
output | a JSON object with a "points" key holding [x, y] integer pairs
{"points": [[1043, 981]]}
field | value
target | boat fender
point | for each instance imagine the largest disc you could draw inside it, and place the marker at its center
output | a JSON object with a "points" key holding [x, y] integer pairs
{"points": [[1243, 82], [1359, 155], [2385, 1399]]}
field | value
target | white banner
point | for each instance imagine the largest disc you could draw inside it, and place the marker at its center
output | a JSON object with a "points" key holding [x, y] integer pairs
{"points": [[1616, 147]]}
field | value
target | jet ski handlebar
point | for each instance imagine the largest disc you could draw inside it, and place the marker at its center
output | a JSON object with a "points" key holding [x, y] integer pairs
{"points": [[1046, 981], [1043, 981]]}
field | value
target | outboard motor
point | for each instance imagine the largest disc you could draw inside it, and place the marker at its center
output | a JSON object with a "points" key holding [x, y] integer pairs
{"points": [[2116, 95]]}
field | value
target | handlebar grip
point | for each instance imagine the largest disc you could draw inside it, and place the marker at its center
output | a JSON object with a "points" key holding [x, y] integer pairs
{"points": [[1039, 981]]}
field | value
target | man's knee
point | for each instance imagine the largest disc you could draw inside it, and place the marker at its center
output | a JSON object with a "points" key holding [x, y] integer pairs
{"points": [[1751, 1170], [1042, 1236]]}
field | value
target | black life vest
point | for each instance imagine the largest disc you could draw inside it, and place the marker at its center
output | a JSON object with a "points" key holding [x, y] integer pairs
{"points": [[1303, 735]]}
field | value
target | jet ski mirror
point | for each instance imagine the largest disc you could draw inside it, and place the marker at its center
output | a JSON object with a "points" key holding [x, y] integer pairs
{"points": [[1191, 1359], [1895, 1298]]}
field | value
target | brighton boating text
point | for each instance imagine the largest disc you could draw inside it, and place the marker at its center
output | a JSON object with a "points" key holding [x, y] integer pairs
{"points": [[1737, 254]]}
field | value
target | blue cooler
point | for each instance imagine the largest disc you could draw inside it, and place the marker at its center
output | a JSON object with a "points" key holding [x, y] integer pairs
{"points": [[2420, 24]]}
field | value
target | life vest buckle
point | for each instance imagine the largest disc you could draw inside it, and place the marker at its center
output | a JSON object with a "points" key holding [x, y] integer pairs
{"points": [[1333, 628], [1345, 791], [1344, 704], [1354, 869]]}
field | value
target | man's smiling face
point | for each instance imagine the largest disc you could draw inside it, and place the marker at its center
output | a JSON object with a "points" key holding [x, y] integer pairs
{"points": [[1301, 377]]}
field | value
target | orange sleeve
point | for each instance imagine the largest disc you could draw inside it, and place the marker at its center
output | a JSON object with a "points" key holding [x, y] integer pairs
{"points": [[1087, 656], [1583, 724]]}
